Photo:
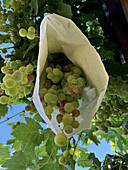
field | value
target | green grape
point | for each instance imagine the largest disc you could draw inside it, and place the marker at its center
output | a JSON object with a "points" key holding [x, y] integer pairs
{"points": [[24, 80], [67, 119], [31, 29], [3, 86], [75, 124], [22, 32], [17, 76], [68, 129], [60, 139], [30, 35], [68, 107], [55, 79], [19, 62], [48, 110], [66, 153], [50, 98], [70, 78], [13, 65], [20, 95], [75, 104], [13, 91], [54, 87], [27, 90], [30, 68], [10, 83], [52, 91], [62, 96], [11, 101], [7, 76], [49, 70], [50, 76], [4, 99], [4, 69], [43, 91], [23, 69], [49, 116], [80, 82], [28, 108], [62, 160], [56, 72], [77, 71]]}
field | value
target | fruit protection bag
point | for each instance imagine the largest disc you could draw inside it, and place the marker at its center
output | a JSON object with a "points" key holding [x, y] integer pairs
{"points": [[59, 34]]}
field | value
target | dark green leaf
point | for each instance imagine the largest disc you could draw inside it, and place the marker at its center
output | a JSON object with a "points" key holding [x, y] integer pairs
{"points": [[65, 10], [53, 166], [3, 110], [4, 153], [28, 132]]}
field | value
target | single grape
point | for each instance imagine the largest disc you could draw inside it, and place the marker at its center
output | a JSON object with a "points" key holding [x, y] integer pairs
{"points": [[31, 29], [7, 76], [77, 71], [55, 79], [23, 69], [20, 95], [68, 129], [10, 83], [13, 91], [67, 119], [4, 99], [43, 91], [28, 108], [48, 110], [50, 98], [69, 90], [98, 123], [22, 32], [27, 90], [75, 124], [11, 101], [1, 91], [13, 65], [24, 80], [68, 107], [4, 69], [66, 153], [60, 139], [61, 96], [61, 110], [17, 76], [30, 35], [56, 72], [75, 113], [59, 118], [77, 89], [30, 78], [50, 75], [30, 68], [70, 78], [62, 160], [49, 70]]}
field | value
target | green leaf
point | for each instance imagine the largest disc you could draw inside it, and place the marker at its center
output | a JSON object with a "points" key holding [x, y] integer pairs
{"points": [[53, 166], [17, 145], [39, 118], [21, 160], [83, 160], [65, 10], [35, 6], [41, 151], [126, 158], [93, 138], [4, 153], [28, 133], [29, 48], [3, 110], [10, 141]]}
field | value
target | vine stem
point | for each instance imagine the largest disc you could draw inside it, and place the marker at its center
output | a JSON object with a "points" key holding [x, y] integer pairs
{"points": [[77, 143], [45, 162], [8, 118]]}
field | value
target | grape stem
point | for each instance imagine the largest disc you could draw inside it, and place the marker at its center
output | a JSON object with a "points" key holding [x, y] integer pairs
{"points": [[8, 118], [77, 143], [116, 124]]}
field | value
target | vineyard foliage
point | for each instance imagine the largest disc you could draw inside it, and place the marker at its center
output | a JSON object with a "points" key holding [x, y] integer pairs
{"points": [[33, 145]]}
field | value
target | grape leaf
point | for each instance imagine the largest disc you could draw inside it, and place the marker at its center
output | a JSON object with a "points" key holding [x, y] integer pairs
{"points": [[21, 160], [53, 166], [28, 132], [17, 145], [84, 156], [3, 110], [41, 151], [4, 153], [65, 10]]}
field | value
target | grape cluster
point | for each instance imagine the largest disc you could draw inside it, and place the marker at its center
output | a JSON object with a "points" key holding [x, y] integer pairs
{"points": [[114, 105], [62, 89], [30, 34], [17, 82]]}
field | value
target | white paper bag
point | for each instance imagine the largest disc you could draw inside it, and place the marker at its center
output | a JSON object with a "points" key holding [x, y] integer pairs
{"points": [[59, 34]]}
